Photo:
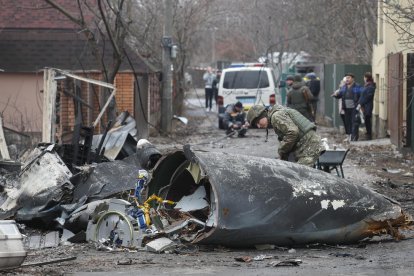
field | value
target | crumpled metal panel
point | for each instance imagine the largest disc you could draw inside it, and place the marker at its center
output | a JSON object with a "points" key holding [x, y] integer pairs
{"points": [[107, 179], [269, 201], [44, 182], [118, 145]]}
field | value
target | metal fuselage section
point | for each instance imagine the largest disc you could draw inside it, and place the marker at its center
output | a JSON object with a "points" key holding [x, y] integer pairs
{"points": [[267, 201]]}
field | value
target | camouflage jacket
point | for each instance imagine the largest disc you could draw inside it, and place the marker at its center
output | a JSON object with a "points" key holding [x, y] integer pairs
{"points": [[288, 131]]}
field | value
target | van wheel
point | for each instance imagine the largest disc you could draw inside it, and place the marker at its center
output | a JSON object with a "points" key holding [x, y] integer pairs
{"points": [[221, 109], [220, 123]]}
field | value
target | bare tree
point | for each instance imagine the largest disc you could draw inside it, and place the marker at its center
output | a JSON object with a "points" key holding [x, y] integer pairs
{"points": [[191, 24], [400, 15], [190, 18], [146, 29], [102, 21], [238, 30], [337, 31], [330, 31]]}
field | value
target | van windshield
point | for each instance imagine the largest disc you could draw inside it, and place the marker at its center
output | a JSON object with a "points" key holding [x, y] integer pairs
{"points": [[245, 79]]}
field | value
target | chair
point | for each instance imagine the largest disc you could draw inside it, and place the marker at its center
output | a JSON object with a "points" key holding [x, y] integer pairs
{"points": [[332, 159]]}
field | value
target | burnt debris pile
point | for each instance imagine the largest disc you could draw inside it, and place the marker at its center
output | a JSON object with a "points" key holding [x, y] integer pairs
{"points": [[133, 196]]}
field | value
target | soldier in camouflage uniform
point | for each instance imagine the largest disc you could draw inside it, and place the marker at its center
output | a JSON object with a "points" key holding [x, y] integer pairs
{"points": [[295, 133]]}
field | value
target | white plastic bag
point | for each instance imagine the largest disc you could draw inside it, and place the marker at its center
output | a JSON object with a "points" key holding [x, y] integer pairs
{"points": [[361, 115]]}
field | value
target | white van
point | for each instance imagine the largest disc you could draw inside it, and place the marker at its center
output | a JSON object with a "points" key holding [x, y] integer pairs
{"points": [[247, 83]]}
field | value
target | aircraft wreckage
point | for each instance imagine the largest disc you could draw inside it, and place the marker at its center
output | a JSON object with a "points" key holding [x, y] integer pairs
{"points": [[246, 201], [202, 197]]}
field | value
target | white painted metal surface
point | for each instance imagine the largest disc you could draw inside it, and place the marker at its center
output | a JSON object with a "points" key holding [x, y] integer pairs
{"points": [[12, 253]]}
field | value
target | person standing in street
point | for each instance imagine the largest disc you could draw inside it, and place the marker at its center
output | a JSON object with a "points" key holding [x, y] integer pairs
{"points": [[296, 133], [341, 111], [366, 102], [300, 98], [209, 78], [216, 84], [289, 82], [314, 84], [350, 94]]}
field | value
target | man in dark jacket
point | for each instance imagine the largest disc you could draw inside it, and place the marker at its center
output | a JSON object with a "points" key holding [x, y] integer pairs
{"points": [[289, 82], [300, 98], [216, 84], [366, 102], [350, 94], [235, 120], [314, 84]]}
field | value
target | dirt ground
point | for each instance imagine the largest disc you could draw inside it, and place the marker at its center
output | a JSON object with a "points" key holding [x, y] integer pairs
{"points": [[376, 164]]}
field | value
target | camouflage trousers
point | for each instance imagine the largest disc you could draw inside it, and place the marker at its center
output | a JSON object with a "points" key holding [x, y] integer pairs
{"points": [[308, 149]]}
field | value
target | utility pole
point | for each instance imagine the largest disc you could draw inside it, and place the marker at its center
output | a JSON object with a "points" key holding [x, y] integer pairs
{"points": [[166, 95], [213, 46]]}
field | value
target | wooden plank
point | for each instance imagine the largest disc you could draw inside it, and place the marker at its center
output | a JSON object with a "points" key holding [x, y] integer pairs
{"points": [[49, 104], [50, 261], [3, 145]]}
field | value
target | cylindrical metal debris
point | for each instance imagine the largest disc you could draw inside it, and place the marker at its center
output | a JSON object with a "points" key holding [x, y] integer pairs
{"points": [[267, 201]]}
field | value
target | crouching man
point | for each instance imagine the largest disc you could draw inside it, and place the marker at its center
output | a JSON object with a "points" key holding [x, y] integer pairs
{"points": [[235, 120], [296, 133]]}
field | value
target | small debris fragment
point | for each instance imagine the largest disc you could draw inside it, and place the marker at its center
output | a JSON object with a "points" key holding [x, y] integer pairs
{"points": [[101, 247], [193, 202], [78, 238], [391, 170], [265, 246], [408, 174], [244, 259], [345, 255], [126, 262], [159, 245], [263, 257], [186, 249], [294, 262]]}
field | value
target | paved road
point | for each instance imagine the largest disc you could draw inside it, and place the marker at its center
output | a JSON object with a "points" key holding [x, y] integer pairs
{"points": [[379, 257]]}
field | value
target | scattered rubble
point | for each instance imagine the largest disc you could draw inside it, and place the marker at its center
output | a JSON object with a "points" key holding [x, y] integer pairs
{"points": [[135, 198], [44, 182]]}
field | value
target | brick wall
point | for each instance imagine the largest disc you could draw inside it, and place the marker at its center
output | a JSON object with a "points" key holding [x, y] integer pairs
{"points": [[155, 94], [124, 83], [89, 93]]}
